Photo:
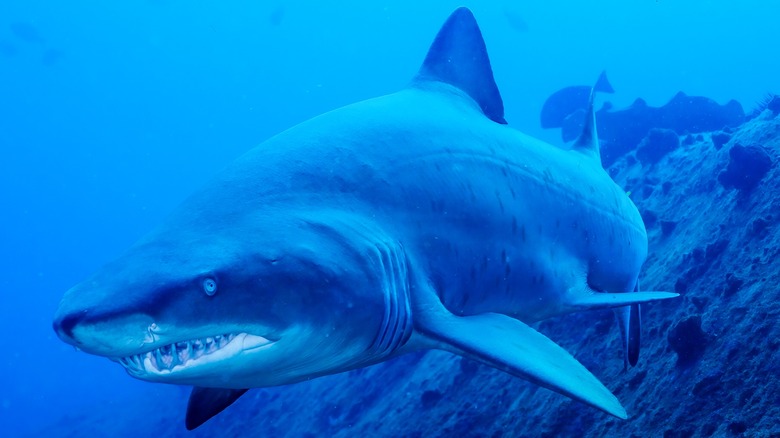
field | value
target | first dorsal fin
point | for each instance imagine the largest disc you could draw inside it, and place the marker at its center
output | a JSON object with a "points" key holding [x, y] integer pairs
{"points": [[458, 57], [588, 141]]}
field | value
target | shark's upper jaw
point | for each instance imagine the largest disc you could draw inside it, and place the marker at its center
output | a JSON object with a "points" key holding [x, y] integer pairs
{"points": [[190, 355]]}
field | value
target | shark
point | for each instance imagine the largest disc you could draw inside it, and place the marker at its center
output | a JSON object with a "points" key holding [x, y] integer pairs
{"points": [[418, 220]]}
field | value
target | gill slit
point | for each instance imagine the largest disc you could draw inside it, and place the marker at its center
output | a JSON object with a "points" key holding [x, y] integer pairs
{"points": [[395, 329]]}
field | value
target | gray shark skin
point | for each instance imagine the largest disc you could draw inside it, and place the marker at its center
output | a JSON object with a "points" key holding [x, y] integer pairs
{"points": [[417, 220]]}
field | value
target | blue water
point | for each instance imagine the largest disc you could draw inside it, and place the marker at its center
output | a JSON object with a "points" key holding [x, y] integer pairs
{"points": [[118, 110]]}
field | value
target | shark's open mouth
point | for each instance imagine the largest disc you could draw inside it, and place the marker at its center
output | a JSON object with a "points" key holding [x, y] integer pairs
{"points": [[186, 354]]}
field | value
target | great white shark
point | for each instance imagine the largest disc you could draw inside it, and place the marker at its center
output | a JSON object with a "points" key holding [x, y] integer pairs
{"points": [[417, 220]]}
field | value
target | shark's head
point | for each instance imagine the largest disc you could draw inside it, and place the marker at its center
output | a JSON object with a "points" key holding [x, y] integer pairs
{"points": [[255, 301]]}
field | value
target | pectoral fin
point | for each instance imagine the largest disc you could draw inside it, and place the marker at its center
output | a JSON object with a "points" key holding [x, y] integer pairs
{"points": [[207, 402], [511, 346]]}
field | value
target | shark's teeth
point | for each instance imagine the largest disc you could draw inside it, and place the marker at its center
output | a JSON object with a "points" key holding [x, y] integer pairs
{"points": [[179, 353]]}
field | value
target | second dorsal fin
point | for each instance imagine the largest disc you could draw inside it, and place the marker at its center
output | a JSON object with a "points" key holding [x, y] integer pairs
{"points": [[458, 57], [588, 141]]}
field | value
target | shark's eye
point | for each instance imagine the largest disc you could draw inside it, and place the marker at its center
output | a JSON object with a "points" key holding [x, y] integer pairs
{"points": [[210, 286]]}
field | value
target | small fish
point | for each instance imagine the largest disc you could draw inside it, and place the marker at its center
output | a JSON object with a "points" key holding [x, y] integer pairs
{"points": [[566, 101], [26, 32]]}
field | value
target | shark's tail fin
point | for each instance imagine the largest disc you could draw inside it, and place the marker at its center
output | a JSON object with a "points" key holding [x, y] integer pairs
{"points": [[627, 307], [630, 323]]}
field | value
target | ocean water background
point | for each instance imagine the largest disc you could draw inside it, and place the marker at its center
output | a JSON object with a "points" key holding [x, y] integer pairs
{"points": [[117, 110]]}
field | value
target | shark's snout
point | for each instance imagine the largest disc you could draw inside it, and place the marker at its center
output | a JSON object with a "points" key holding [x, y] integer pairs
{"points": [[101, 330], [71, 315], [65, 321]]}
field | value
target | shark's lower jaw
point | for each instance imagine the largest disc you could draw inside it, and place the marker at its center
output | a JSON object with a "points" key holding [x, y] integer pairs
{"points": [[187, 355]]}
